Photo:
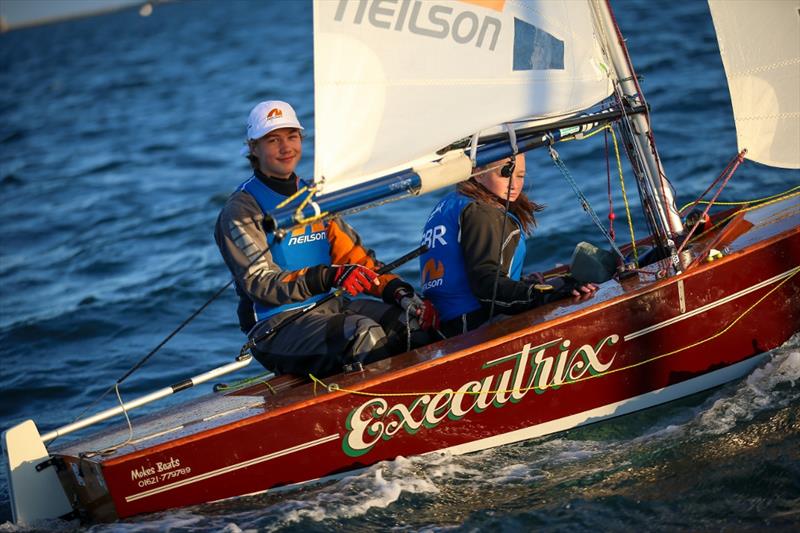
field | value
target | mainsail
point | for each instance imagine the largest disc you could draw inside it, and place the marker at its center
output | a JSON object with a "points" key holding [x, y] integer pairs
{"points": [[396, 81], [760, 47]]}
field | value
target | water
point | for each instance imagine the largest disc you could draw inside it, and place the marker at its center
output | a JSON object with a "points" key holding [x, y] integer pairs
{"points": [[119, 140]]}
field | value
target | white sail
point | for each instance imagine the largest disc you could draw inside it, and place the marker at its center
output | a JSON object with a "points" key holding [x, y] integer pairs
{"points": [[760, 46], [396, 80]]}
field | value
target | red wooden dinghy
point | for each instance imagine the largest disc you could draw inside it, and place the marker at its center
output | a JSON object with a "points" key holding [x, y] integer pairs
{"points": [[703, 316], [638, 343]]}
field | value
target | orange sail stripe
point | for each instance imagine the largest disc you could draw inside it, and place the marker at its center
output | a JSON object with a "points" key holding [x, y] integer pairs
{"points": [[497, 5]]}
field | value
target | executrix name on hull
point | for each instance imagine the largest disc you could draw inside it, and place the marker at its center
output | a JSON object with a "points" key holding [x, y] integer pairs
{"points": [[533, 369], [636, 344]]}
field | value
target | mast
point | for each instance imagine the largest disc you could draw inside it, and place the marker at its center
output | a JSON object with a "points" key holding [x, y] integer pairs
{"points": [[645, 160]]}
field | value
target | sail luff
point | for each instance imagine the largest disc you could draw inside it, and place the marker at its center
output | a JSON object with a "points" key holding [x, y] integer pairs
{"points": [[661, 193]]}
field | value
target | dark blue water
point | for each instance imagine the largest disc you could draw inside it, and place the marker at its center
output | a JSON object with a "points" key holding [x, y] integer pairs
{"points": [[119, 143]]}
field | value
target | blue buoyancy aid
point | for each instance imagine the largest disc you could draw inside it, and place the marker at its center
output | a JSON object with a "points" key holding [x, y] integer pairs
{"points": [[444, 275], [303, 247]]}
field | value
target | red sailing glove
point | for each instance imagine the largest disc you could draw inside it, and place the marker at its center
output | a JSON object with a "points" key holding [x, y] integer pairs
{"points": [[422, 310], [355, 279], [427, 314]]}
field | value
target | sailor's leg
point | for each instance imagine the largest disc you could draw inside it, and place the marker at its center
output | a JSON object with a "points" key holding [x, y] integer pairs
{"points": [[393, 321], [320, 342], [366, 340], [299, 347]]}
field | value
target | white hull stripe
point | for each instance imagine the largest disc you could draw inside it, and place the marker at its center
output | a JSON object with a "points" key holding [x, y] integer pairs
{"points": [[231, 468], [712, 305]]}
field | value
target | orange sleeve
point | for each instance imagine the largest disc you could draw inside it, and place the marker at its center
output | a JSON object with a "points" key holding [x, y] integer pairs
{"points": [[346, 248]]}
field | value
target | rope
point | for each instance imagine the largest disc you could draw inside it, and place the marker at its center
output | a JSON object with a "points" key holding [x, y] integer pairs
{"points": [[334, 387], [115, 447], [174, 332], [260, 378], [500, 250], [408, 328], [654, 223], [292, 197], [311, 192], [621, 181], [611, 215], [625, 196], [298, 213], [780, 195], [312, 218], [775, 200], [582, 198], [735, 164], [512, 139], [721, 174]]}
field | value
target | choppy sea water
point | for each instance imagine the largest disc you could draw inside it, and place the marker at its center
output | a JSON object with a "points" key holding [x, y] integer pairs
{"points": [[119, 143]]}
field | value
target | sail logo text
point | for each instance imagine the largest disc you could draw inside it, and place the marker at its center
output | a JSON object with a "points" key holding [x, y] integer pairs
{"points": [[536, 368], [311, 237], [429, 19]]}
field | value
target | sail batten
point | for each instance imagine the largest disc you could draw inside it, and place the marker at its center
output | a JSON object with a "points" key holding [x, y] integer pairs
{"points": [[397, 81]]}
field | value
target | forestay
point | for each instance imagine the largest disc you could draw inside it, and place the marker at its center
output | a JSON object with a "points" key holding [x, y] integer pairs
{"points": [[397, 80], [760, 47]]}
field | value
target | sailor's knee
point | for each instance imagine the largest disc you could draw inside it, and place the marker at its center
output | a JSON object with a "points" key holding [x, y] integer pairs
{"points": [[367, 336]]}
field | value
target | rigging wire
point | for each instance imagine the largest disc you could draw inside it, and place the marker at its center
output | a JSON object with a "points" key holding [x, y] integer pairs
{"points": [[649, 134], [648, 202], [608, 128], [583, 200], [730, 169]]}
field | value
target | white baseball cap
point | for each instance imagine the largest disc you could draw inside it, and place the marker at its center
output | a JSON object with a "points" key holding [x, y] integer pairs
{"points": [[271, 115]]}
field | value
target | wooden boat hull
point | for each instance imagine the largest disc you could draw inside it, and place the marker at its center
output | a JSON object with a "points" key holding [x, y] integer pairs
{"points": [[638, 343]]}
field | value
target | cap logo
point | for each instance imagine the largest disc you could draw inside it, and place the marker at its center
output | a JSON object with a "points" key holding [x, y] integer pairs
{"points": [[274, 113]]}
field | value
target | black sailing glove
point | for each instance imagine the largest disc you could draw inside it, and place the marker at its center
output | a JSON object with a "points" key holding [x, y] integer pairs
{"points": [[555, 289]]}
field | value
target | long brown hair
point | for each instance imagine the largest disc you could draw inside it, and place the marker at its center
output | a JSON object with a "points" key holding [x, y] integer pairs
{"points": [[522, 208]]}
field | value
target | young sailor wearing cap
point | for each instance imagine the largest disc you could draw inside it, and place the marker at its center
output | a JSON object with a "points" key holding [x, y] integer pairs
{"points": [[276, 278], [464, 233]]}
